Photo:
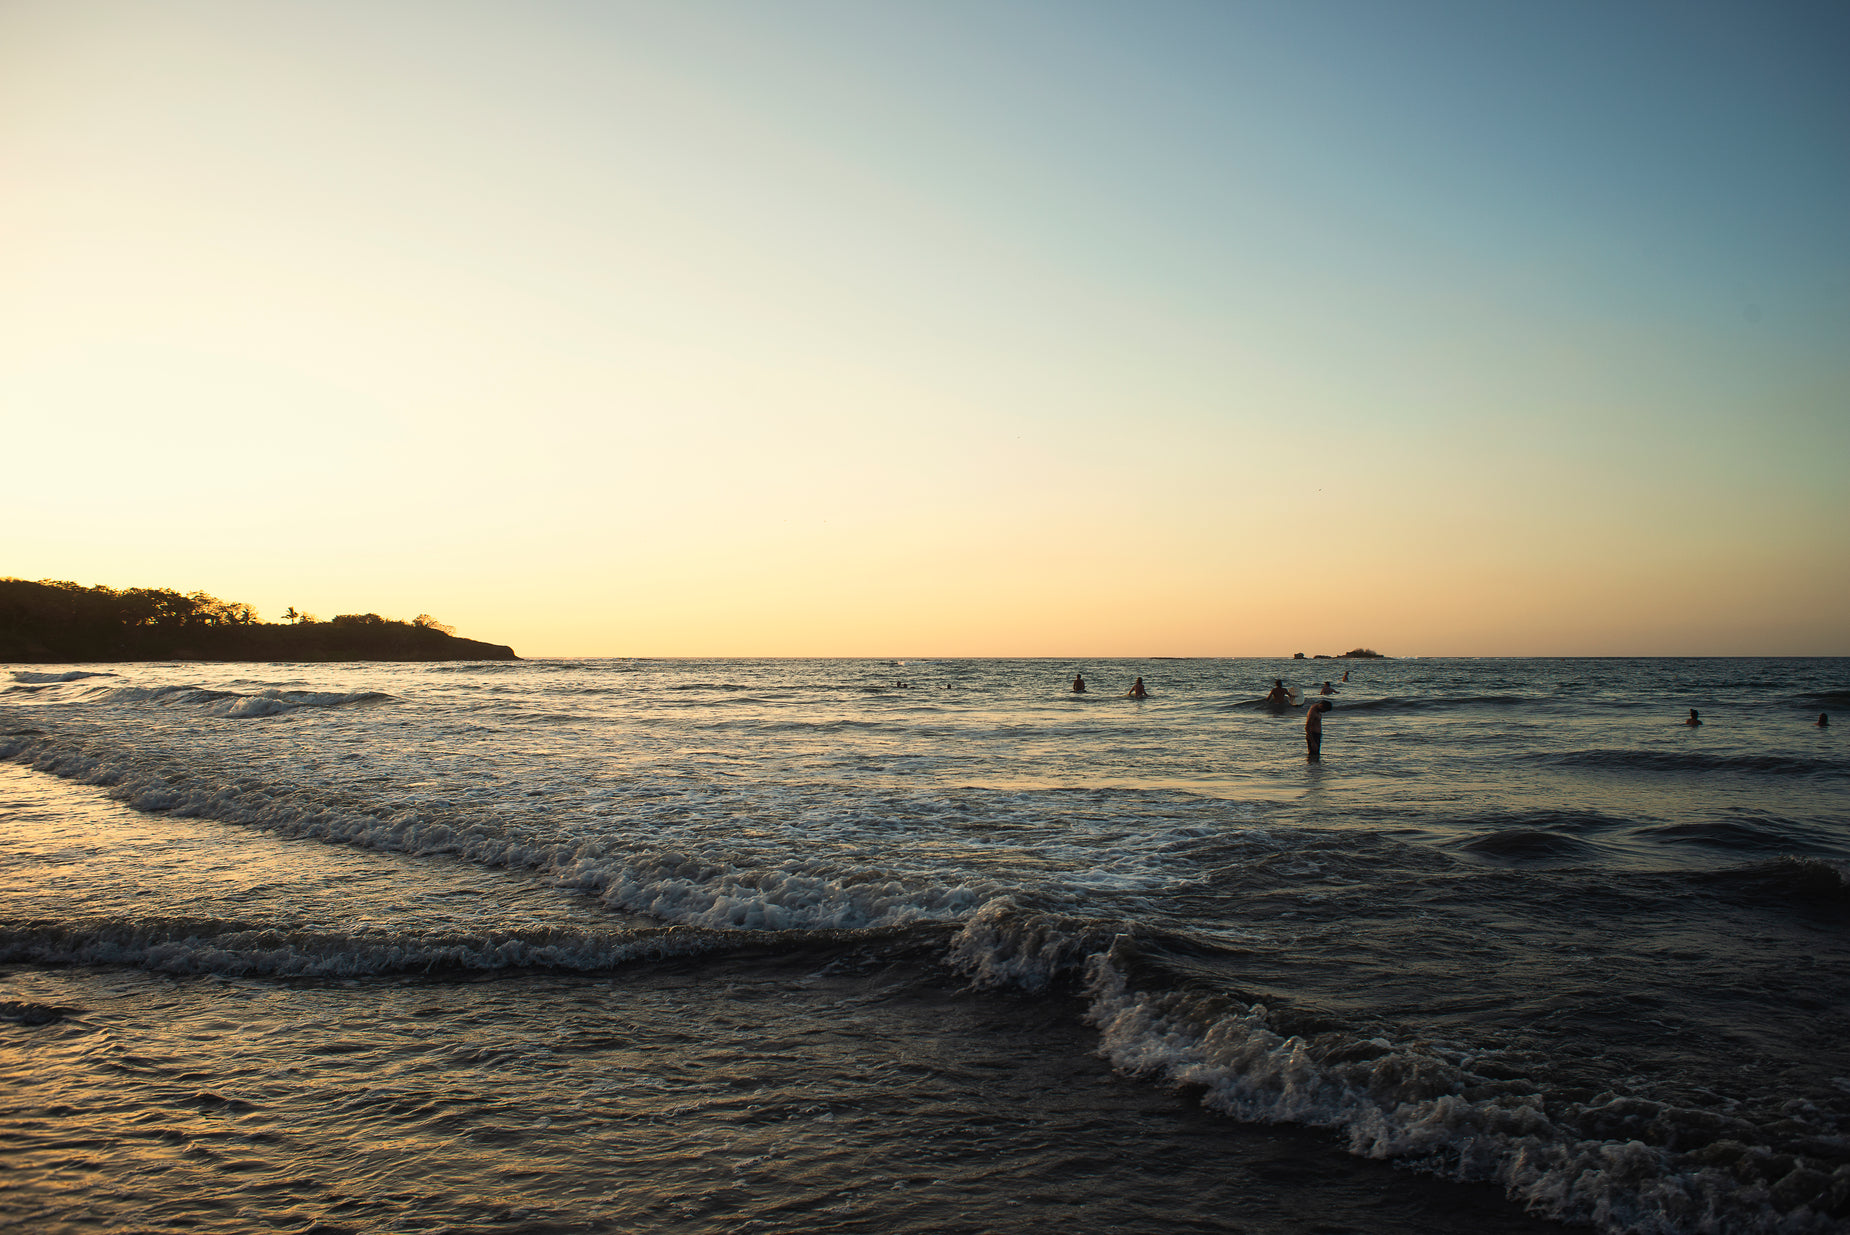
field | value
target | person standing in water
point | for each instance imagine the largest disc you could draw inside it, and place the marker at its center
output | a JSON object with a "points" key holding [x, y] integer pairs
{"points": [[1079, 684], [1313, 729], [1824, 721], [1327, 689], [1137, 691], [1278, 696], [1693, 718]]}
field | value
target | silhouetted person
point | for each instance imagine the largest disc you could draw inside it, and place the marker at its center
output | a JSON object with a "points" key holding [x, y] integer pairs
{"points": [[1137, 691], [1345, 675], [1327, 689], [1278, 696], [1313, 730], [1079, 684], [1824, 722], [1693, 718]]}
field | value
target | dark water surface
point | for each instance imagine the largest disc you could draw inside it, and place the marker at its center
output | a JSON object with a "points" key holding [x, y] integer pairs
{"points": [[786, 945]]}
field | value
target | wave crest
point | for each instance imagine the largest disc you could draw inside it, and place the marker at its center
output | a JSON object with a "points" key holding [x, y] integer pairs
{"points": [[207, 946], [1003, 945], [1789, 878], [1528, 845], [232, 705], [1697, 761]]}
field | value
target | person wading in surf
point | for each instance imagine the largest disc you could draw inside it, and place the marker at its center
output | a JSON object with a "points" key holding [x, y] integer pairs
{"points": [[1313, 729]]}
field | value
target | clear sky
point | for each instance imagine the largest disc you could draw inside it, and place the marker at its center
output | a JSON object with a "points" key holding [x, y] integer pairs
{"points": [[940, 328]]}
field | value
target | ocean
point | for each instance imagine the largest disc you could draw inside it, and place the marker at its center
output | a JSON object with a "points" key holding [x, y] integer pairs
{"points": [[925, 946]]}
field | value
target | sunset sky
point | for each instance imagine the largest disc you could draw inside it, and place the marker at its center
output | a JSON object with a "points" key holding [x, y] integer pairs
{"points": [[940, 328]]}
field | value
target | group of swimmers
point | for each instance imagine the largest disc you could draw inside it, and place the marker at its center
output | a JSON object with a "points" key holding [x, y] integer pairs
{"points": [[1279, 698]]}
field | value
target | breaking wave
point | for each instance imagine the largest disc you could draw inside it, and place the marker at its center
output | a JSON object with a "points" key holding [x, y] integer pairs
{"points": [[1617, 1163]]}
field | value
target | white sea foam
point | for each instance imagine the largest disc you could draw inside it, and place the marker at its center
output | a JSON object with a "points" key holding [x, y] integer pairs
{"points": [[1402, 1103]]}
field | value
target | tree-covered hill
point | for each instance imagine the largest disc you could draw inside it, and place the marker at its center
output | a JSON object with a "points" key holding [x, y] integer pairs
{"points": [[52, 622]]}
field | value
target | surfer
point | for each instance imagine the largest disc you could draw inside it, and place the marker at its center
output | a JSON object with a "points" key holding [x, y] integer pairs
{"points": [[1079, 684], [1327, 689], [1693, 718], [1313, 729], [1278, 697], [1137, 691]]}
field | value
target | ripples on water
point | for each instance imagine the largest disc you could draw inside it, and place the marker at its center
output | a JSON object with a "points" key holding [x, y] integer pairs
{"points": [[700, 945]]}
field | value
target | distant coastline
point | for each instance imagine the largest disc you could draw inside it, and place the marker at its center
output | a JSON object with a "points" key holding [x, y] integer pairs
{"points": [[1351, 654], [53, 622]]}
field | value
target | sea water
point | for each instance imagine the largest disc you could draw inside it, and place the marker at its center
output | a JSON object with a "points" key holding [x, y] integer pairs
{"points": [[825, 945]]}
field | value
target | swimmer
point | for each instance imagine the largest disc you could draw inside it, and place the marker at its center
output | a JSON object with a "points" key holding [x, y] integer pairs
{"points": [[1693, 718], [1824, 722], [1137, 691], [1345, 675], [1313, 730], [1327, 689], [1278, 696], [1079, 684]]}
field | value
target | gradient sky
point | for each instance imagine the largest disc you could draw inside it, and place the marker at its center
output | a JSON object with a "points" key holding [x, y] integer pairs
{"points": [[940, 328]]}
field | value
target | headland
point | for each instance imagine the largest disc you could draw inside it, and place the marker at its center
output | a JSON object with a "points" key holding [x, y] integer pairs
{"points": [[53, 622]]}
